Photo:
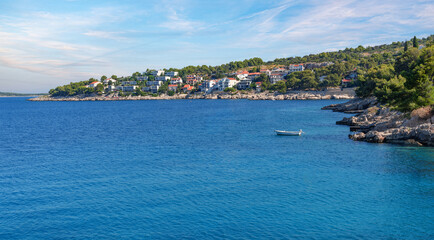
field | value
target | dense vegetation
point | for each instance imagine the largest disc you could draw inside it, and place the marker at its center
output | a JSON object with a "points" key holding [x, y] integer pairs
{"points": [[406, 84]]}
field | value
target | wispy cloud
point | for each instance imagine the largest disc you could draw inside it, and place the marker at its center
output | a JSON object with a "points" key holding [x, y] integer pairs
{"points": [[74, 40]]}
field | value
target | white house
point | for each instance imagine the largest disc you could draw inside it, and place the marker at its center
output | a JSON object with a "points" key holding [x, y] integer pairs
{"points": [[173, 87], [157, 73], [129, 83], [162, 78], [242, 75], [193, 79], [107, 80], [283, 72], [111, 88], [142, 78], [207, 86], [226, 83], [154, 83], [172, 74], [252, 76], [275, 77], [126, 88], [154, 88], [295, 68], [244, 84], [177, 80], [129, 88], [94, 84], [266, 71]]}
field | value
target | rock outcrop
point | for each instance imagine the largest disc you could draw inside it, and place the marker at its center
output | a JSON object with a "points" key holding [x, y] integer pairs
{"points": [[381, 125], [302, 95]]}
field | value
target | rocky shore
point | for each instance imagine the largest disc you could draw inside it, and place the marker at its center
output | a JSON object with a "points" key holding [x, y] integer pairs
{"points": [[301, 95], [377, 124]]}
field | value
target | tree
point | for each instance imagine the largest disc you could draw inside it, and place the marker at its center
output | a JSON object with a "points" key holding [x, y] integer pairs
{"points": [[280, 86], [103, 78], [406, 46], [99, 88], [114, 77], [110, 82], [230, 89], [415, 43]]}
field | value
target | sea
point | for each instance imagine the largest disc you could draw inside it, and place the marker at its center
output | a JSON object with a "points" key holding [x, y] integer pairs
{"points": [[204, 169]]}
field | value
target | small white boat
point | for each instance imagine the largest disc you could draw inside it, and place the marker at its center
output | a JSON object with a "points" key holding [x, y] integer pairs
{"points": [[288, 133]]}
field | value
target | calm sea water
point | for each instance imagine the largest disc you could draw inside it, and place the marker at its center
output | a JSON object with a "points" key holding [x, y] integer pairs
{"points": [[203, 169]]}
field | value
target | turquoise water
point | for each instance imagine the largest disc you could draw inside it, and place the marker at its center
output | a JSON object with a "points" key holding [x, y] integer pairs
{"points": [[203, 169]]}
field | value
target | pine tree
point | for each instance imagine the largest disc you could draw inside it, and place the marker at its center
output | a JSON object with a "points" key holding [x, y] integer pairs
{"points": [[415, 43], [406, 46]]}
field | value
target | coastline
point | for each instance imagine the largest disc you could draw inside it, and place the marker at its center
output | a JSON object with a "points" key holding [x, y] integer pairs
{"points": [[378, 124], [294, 95]]}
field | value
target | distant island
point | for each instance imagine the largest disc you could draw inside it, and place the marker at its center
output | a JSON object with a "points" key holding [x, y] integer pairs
{"points": [[11, 94]]}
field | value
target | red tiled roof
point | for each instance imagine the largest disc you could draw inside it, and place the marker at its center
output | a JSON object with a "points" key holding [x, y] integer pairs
{"points": [[173, 85], [346, 80], [231, 78], [94, 82]]}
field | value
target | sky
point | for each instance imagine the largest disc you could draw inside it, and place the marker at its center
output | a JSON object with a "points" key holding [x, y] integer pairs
{"points": [[47, 43]]}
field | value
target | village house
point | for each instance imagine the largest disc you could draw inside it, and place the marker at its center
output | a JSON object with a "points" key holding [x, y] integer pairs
{"points": [[154, 88], [193, 79], [94, 84], [157, 73], [111, 88], [187, 88], [125, 83], [207, 86], [154, 83], [346, 82], [266, 71], [252, 76], [258, 86], [275, 77], [242, 75], [226, 83], [129, 88], [162, 78], [171, 74], [295, 68], [173, 87], [107, 80], [177, 80], [244, 84], [142, 78]]}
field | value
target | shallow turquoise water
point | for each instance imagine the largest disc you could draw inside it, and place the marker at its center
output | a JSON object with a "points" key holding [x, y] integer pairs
{"points": [[203, 169]]}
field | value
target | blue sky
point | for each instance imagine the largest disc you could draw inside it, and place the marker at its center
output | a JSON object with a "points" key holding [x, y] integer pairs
{"points": [[47, 43]]}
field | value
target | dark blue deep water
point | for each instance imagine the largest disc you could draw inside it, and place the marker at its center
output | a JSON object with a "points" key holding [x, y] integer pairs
{"points": [[203, 169]]}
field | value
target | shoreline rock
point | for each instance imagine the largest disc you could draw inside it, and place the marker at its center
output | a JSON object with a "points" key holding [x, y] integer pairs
{"points": [[379, 124], [302, 95]]}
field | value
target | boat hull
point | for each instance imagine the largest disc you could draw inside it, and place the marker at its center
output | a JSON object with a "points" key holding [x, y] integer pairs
{"points": [[287, 133]]}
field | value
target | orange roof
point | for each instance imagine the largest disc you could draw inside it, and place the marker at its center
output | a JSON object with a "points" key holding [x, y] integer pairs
{"points": [[94, 82], [173, 85], [231, 78], [346, 80]]}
